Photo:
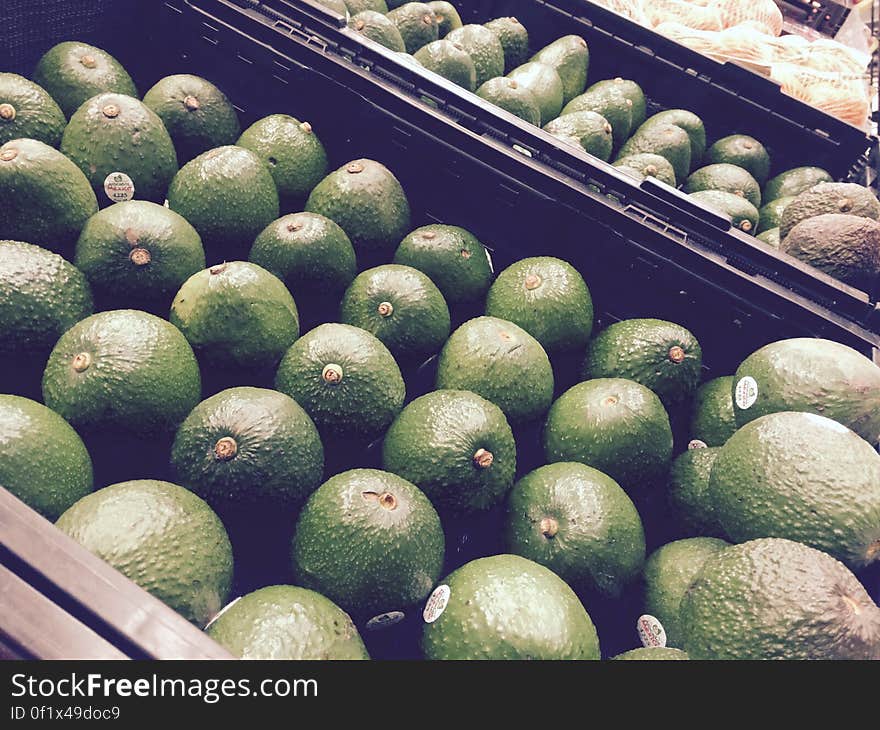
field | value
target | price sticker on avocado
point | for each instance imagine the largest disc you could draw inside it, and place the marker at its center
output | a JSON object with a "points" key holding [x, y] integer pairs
{"points": [[746, 392], [651, 631], [436, 604], [118, 187]]}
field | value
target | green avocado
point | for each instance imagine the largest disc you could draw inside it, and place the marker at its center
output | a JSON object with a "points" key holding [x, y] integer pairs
{"points": [[771, 237], [450, 61], [712, 417], [358, 6], [667, 140], [27, 111], [630, 90], [688, 492], [484, 48], [793, 182], [544, 83], [647, 164], [375, 26], [514, 40], [690, 123], [743, 151], [653, 653], [848, 198], [743, 215], [570, 58], [592, 131], [610, 103], [770, 214], [447, 16], [417, 25], [727, 178], [512, 97]]}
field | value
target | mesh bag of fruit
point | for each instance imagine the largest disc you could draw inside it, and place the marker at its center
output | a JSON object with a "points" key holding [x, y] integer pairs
{"points": [[687, 13], [762, 15], [842, 95]]}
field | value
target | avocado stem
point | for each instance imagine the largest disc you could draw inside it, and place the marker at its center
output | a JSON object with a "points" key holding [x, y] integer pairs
{"points": [[483, 459], [549, 527], [533, 281], [873, 551], [225, 449], [354, 168], [7, 112], [81, 362], [8, 155], [676, 354], [856, 609], [191, 103], [385, 309], [140, 256], [110, 111], [332, 374], [88, 61], [388, 501]]}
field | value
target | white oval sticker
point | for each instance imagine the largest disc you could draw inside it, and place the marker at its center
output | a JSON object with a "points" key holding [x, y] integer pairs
{"points": [[222, 611], [118, 187], [746, 392], [384, 620], [696, 444], [436, 604], [651, 631]]}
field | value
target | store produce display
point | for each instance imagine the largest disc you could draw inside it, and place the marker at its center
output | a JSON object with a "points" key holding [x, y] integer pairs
{"points": [[452, 452]]}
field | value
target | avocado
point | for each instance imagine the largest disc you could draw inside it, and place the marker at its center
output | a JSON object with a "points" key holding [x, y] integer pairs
{"points": [[32, 211], [310, 253], [771, 237], [484, 48], [287, 622], [114, 133], [647, 164], [248, 445], [578, 522], [236, 315], [727, 178], [669, 572], [743, 215], [770, 214], [487, 610], [344, 378], [337, 6], [450, 61], [569, 140], [778, 599], [41, 296], [630, 90], [514, 40], [793, 182], [197, 115], [367, 201], [512, 97], [544, 83], [802, 477], [845, 246], [417, 25], [592, 131], [72, 72], [653, 653], [548, 298], [452, 257], [743, 151], [812, 375], [447, 16], [161, 536], [27, 111], [358, 6], [611, 103], [456, 447], [122, 371], [43, 461], [666, 140], [712, 417], [229, 197], [402, 307], [137, 254], [486, 354], [688, 492], [847, 198], [690, 123], [370, 541], [377, 27], [660, 355], [570, 58], [616, 426]]}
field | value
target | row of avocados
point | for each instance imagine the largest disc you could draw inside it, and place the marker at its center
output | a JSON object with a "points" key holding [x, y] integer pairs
{"points": [[151, 300]]}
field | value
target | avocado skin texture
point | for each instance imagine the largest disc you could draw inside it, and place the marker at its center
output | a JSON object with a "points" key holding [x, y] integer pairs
{"points": [[358, 6], [41, 296], [367, 398], [370, 541], [197, 115], [377, 27], [689, 495], [744, 151], [486, 354], [771, 237], [669, 572], [417, 25], [793, 182], [70, 82], [614, 425], [450, 61], [667, 140], [514, 39], [802, 477], [592, 130], [770, 214], [647, 164], [570, 57], [161, 536], [660, 355], [817, 376], [287, 622], [548, 298], [743, 215], [308, 252], [848, 198], [512, 97], [609, 102], [436, 443], [337, 6], [653, 653], [544, 83], [727, 178], [690, 123], [118, 133], [447, 16], [630, 90], [712, 417], [115, 239], [484, 48], [778, 599], [492, 614], [845, 246], [142, 377], [452, 258], [418, 323], [34, 212], [236, 315], [367, 202], [595, 541], [27, 111], [228, 195], [43, 461]]}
